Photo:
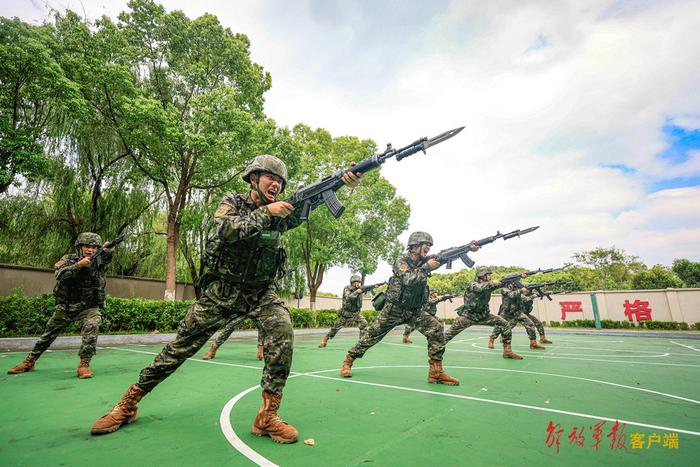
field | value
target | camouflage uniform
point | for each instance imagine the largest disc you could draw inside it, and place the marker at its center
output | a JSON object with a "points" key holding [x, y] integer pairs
{"points": [[243, 259], [511, 310], [476, 311], [406, 294], [80, 296], [527, 310], [430, 307], [350, 314], [228, 329]]}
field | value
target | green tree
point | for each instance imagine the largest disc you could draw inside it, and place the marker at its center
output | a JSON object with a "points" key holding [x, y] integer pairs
{"points": [[658, 277], [182, 96], [688, 271], [373, 218], [613, 267], [37, 100]]}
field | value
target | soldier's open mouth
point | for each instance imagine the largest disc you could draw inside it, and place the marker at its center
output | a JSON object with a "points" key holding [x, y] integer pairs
{"points": [[271, 195]]}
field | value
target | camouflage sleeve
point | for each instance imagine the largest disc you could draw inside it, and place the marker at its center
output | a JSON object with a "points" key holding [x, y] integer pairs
{"points": [[107, 257], [482, 286], [349, 292], [407, 276], [292, 220], [232, 226], [63, 271], [506, 293]]}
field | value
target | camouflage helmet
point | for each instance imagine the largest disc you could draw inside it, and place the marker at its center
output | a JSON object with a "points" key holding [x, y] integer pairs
{"points": [[88, 238], [481, 271], [416, 238], [355, 278], [269, 164]]}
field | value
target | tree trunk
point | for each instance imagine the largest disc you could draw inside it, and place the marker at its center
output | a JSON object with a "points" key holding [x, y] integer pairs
{"points": [[173, 237]]}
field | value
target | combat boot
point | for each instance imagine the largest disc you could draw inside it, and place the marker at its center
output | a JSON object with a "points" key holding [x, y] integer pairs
{"points": [[323, 342], [122, 413], [406, 340], [544, 340], [26, 365], [211, 354], [535, 345], [83, 369], [508, 353], [268, 423], [490, 343], [260, 355], [436, 375], [345, 369]]}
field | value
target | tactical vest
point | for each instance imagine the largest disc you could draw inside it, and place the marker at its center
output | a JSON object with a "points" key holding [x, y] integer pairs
{"points": [[351, 305], [527, 305], [86, 287], [254, 261], [402, 296]]}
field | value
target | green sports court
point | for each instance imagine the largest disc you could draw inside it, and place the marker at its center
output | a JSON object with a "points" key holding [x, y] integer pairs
{"points": [[386, 414]]}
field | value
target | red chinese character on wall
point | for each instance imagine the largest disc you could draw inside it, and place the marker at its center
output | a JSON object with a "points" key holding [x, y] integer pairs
{"points": [[639, 310], [570, 307]]}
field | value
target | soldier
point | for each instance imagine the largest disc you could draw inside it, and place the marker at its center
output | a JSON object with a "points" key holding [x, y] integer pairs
{"points": [[511, 310], [80, 296], [351, 312], [406, 294], [242, 259], [527, 309], [476, 310], [225, 333], [430, 307]]}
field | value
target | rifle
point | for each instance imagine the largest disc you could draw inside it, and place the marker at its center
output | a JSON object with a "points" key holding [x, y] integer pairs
{"points": [[545, 271], [537, 287], [96, 258], [446, 297], [323, 191], [369, 288], [461, 252]]}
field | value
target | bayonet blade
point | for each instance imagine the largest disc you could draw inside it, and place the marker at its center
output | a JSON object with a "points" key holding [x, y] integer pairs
{"points": [[442, 137], [528, 230]]}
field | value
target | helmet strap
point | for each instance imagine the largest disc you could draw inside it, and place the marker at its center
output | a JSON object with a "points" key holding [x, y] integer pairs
{"points": [[256, 187]]}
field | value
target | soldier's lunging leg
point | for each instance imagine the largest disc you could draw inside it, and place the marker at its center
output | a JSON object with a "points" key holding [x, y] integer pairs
{"points": [[380, 327], [57, 323], [91, 328], [530, 329], [434, 332], [540, 329], [224, 334], [275, 325], [337, 326], [406, 333], [202, 320]]}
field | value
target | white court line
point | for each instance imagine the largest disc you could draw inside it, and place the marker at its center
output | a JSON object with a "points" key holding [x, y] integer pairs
{"points": [[191, 359], [472, 339], [496, 353], [580, 348], [583, 355], [254, 456], [686, 346]]}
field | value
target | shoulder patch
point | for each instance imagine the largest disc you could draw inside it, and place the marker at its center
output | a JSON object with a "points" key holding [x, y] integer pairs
{"points": [[223, 210], [61, 262], [403, 267]]}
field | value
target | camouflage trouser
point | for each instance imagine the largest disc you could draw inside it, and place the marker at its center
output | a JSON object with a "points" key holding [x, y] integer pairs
{"points": [[464, 321], [346, 321], [222, 301], [62, 317], [538, 324], [523, 319], [228, 329], [391, 317], [409, 329]]}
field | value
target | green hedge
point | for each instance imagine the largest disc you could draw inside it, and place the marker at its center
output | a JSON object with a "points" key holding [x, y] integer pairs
{"points": [[27, 316]]}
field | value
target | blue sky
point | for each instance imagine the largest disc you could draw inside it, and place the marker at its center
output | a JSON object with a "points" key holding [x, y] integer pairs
{"points": [[581, 117]]}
